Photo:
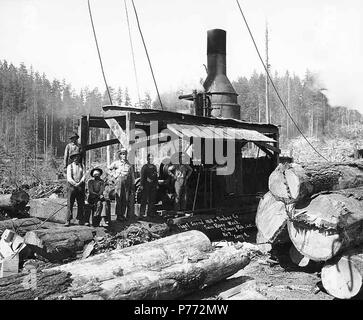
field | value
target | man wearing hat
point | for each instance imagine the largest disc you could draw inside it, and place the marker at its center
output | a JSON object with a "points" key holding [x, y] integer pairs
{"points": [[96, 188], [123, 172], [72, 147], [181, 173], [148, 185], [76, 187]]}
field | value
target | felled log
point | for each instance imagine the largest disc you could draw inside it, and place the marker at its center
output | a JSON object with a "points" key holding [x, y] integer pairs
{"points": [[32, 285], [291, 182], [14, 201], [152, 255], [171, 282], [20, 226], [59, 243], [55, 210], [271, 219], [342, 276], [330, 223]]}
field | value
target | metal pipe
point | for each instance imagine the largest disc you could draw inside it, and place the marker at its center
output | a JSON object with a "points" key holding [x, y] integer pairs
{"points": [[224, 97]]}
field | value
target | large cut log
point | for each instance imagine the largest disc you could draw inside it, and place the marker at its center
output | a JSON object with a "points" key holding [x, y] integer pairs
{"points": [[342, 276], [14, 201], [177, 280], [147, 256], [54, 210], [32, 285], [291, 182], [59, 243], [271, 219], [330, 223], [20, 226], [164, 282]]}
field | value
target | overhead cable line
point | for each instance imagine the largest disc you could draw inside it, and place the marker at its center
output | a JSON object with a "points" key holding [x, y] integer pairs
{"points": [[99, 54], [132, 51], [273, 85], [147, 54]]}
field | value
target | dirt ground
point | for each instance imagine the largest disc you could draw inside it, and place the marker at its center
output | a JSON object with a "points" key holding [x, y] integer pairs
{"points": [[264, 279]]}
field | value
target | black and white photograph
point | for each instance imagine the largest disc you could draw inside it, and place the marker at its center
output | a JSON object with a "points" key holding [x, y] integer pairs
{"points": [[182, 156]]}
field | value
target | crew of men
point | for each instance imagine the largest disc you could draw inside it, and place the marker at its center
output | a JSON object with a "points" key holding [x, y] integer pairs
{"points": [[120, 185]]}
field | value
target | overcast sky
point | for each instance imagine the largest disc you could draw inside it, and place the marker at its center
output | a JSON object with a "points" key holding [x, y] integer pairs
{"points": [[55, 37]]}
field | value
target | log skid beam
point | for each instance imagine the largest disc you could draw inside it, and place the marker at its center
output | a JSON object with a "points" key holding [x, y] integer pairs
{"points": [[102, 144]]}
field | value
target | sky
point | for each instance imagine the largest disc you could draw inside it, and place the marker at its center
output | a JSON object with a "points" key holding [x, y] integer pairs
{"points": [[55, 37]]}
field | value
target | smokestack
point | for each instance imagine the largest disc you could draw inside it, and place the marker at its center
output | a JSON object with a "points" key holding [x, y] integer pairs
{"points": [[224, 97]]}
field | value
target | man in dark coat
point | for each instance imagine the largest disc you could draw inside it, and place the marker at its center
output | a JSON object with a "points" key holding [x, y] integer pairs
{"points": [[148, 185]]}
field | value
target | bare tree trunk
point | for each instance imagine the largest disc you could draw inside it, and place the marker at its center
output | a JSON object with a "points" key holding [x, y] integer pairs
{"points": [[35, 119], [15, 148], [45, 137], [52, 128]]}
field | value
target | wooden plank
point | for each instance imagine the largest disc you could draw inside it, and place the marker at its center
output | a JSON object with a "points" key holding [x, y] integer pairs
{"points": [[197, 131], [207, 132], [268, 146], [146, 115], [269, 153], [118, 131], [102, 144], [130, 130], [84, 135]]}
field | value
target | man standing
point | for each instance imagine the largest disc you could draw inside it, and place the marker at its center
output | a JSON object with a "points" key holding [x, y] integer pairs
{"points": [[71, 148], [148, 185], [96, 187], [180, 172], [123, 172], [76, 187]]}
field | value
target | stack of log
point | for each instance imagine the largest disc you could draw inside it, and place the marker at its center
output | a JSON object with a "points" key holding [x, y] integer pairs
{"points": [[167, 268], [319, 208]]}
